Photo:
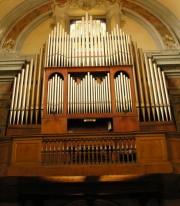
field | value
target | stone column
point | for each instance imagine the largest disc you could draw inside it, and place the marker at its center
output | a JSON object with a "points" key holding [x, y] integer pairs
{"points": [[114, 17], [60, 15]]}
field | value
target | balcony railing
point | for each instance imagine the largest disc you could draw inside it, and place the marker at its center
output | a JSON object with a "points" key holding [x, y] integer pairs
{"points": [[90, 154], [88, 151]]}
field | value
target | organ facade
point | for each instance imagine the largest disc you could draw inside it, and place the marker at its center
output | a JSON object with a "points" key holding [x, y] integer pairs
{"points": [[91, 103]]}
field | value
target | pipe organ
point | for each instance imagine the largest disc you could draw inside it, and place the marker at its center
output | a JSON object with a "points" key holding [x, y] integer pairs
{"points": [[89, 74]]}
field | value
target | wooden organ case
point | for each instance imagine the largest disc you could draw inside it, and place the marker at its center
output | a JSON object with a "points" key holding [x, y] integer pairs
{"points": [[89, 100], [89, 81]]}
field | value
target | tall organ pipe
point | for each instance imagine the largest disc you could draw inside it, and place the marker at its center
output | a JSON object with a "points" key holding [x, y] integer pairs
{"points": [[29, 90], [13, 100]]}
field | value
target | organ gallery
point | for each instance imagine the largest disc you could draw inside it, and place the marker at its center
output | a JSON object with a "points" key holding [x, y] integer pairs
{"points": [[91, 107]]}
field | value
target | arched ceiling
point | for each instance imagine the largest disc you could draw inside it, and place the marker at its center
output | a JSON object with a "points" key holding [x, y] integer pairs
{"points": [[160, 17]]}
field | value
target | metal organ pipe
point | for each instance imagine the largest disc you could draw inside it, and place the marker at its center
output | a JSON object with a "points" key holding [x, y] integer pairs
{"points": [[29, 90], [16, 98], [24, 93], [13, 100]]}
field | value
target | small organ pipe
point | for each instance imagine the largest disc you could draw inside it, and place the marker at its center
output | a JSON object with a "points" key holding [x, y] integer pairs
{"points": [[55, 93], [159, 95], [58, 95], [42, 92], [61, 88], [166, 95], [113, 48], [20, 96], [128, 49], [13, 100], [65, 50], [48, 51], [139, 82], [24, 93], [48, 98], [87, 39], [99, 47], [116, 47], [52, 95], [108, 49], [95, 47], [29, 90], [38, 87], [145, 86], [119, 45], [68, 51], [69, 93], [130, 95], [33, 90], [150, 87], [134, 76], [154, 89], [16, 97], [122, 47], [116, 94], [163, 93], [59, 44]]}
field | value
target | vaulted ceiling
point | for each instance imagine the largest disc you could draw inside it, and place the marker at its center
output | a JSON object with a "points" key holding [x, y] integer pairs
{"points": [[19, 18]]}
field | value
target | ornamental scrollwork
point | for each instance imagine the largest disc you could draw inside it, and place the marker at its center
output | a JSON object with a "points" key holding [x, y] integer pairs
{"points": [[86, 4], [9, 45]]}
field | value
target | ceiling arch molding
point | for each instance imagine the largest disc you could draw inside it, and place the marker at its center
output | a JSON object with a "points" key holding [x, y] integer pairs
{"points": [[162, 13], [153, 32], [39, 8], [14, 16], [31, 26]]}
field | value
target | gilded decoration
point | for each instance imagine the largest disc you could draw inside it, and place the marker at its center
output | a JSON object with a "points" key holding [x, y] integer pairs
{"points": [[169, 42], [86, 4], [9, 45]]}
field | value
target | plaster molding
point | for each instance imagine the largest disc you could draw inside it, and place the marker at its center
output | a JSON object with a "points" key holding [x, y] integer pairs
{"points": [[22, 37], [161, 12], [15, 16]]}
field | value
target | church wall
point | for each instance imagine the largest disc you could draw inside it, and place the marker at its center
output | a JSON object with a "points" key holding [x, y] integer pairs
{"points": [[36, 38]]}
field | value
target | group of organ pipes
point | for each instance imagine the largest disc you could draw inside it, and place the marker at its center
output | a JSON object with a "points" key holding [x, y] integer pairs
{"points": [[88, 45], [90, 92]]}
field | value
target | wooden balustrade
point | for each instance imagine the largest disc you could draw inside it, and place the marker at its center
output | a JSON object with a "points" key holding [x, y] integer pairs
{"points": [[93, 154], [88, 151]]}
